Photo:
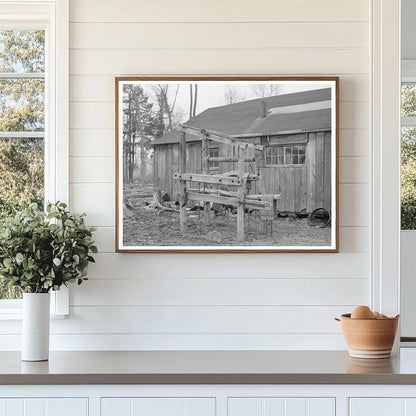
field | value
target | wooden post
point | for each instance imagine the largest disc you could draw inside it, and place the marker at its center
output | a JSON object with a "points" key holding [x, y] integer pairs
{"points": [[240, 196], [183, 195], [264, 215], [205, 171]]}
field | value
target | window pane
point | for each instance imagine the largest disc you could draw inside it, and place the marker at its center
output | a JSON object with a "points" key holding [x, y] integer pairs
{"points": [[408, 178], [21, 173], [22, 51], [21, 182], [22, 105]]}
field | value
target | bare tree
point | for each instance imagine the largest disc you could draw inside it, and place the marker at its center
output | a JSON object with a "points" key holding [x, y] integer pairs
{"points": [[166, 108], [266, 90], [232, 96]]}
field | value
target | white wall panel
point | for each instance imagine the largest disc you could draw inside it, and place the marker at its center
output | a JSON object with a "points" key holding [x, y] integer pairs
{"points": [[354, 202], [91, 169], [100, 88], [256, 61], [354, 142], [221, 35], [286, 265], [211, 320], [221, 291], [207, 300], [96, 199], [218, 11], [354, 170], [94, 143]]}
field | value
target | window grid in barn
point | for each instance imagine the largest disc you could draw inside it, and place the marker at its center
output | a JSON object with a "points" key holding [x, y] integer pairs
{"points": [[285, 155]]}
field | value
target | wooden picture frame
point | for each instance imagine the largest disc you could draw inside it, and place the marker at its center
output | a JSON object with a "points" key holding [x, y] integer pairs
{"points": [[227, 164]]}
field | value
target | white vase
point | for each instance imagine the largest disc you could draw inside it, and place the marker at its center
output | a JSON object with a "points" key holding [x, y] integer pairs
{"points": [[35, 326]]}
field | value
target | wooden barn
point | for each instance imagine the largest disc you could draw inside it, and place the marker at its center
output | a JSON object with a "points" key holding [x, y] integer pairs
{"points": [[295, 130]]}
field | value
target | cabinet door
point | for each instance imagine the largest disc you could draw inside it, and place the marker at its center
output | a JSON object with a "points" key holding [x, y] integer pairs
{"points": [[160, 406], [382, 407], [44, 407], [270, 406]]}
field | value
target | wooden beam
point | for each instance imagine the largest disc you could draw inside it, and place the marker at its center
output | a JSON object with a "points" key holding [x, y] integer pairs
{"points": [[229, 159], [220, 137], [212, 179], [183, 196], [205, 171], [240, 195], [260, 197], [247, 176], [216, 192], [225, 200]]}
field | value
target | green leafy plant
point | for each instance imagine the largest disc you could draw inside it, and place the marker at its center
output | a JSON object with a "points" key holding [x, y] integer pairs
{"points": [[43, 251]]}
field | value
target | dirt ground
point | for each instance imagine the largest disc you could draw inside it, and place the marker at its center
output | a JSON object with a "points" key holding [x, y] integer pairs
{"points": [[154, 227]]}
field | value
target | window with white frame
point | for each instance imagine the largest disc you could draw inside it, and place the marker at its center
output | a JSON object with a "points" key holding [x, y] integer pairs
{"points": [[33, 112], [408, 154]]}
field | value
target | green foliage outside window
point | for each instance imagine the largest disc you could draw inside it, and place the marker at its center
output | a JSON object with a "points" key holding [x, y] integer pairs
{"points": [[21, 110]]}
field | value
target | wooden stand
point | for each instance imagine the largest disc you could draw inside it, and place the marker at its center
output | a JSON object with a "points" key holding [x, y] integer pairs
{"points": [[240, 198]]}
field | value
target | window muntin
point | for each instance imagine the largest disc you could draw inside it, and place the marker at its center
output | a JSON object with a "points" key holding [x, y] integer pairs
{"points": [[285, 155]]}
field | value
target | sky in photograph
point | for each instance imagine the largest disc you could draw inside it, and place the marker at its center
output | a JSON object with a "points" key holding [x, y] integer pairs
{"points": [[214, 94]]}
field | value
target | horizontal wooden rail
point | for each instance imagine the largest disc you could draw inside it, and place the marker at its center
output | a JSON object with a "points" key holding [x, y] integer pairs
{"points": [[220, 137], [225, 200], [229, 159], [214, 179]]}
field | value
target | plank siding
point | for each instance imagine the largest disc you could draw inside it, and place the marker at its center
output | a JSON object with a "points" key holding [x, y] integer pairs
{"points": [[280, 37], [303, 187]]}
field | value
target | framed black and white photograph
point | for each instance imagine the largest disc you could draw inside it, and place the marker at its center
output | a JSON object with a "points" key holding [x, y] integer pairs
{"points": [[235, 164]]}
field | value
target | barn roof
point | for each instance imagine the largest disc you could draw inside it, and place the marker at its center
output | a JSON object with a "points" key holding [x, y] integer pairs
{"points": [[299, 112]]}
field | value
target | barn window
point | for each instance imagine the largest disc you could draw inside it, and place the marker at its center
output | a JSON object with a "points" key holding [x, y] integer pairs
{"points": [[285, 155], [214, 152]]}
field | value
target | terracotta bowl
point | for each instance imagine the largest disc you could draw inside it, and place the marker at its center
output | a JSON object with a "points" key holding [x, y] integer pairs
{"points": [[369, 338]]}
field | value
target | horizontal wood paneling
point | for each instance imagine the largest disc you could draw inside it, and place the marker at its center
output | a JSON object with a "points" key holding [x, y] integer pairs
{"points": [[194, 320], [354, 142], [289, 265], [146, 342], [94, 143], [354, 200], [96, 199], [354, 170], [100, 88], [220, 62], [221, 36], [276, 37], [220, 291], [201, 319], [92, 169], [218, 11], [100, 115], [354, 239]]}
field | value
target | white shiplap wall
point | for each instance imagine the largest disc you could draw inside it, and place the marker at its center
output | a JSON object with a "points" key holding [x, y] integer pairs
{"points": [[178, 301]]}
